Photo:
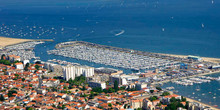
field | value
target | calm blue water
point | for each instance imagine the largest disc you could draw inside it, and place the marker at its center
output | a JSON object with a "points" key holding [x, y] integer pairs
{"points": [[99, 20]]}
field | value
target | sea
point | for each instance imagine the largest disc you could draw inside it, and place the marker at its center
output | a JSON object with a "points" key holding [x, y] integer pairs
{"points": [[188, 27]]}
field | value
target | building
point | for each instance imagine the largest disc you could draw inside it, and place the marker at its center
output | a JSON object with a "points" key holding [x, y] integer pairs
{"points": [[137, 103], [194, 58], [97, 84], [121, 80], [25, 62], [71, 71], [140, 86], [19, 66], [148, 105], [13, 58]]}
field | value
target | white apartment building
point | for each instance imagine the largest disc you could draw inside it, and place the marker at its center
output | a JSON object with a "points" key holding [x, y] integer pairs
{"points": [[71, 71], [97, 84]]}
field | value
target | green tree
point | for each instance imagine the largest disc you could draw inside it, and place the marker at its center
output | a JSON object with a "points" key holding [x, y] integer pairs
{"points": [[2, 98], [116, 85], [173, 99], [6, 62], [16, 62], [165, 93], [37, 67], [17, 75], [84, 88], [3, 56], [158, 88], [91, 95], [26, 66], [23, 79], [109, 104], [11, 92], [153, 98], [38, 62], [29, 108], [187, 105], [151, 91]]}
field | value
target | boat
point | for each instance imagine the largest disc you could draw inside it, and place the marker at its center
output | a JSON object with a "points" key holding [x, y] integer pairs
{"points": [[218, 79], [122, 31], [197, 89], [203, 25]]}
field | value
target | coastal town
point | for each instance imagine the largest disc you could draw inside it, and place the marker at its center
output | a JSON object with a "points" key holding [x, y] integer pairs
{"points": [[28, 84]]}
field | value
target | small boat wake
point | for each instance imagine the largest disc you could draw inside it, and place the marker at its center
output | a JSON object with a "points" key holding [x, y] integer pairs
{"points": [[117, 32]]}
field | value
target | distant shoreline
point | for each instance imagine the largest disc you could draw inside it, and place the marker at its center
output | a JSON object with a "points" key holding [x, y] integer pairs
{"points": [[7, 41]]}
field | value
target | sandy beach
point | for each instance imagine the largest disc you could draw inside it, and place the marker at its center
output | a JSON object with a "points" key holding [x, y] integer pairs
{"points": [[5, 41]]}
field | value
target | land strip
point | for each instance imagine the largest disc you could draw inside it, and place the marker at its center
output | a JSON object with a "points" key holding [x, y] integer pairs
{"points": [[6, 41]]}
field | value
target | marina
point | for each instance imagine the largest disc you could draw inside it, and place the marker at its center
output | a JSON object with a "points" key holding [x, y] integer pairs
{"points": [[195, 80], [117, 57], [24, 50], [206, 92]]}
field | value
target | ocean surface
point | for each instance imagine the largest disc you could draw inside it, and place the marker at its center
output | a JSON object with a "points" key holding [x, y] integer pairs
{"points": [[188, 27]]}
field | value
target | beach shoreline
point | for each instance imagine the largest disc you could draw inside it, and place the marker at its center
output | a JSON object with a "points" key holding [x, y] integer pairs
{"points": [[7, 41]]}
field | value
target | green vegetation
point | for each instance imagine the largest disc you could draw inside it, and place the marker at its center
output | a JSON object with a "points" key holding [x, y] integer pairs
{"points": [[116, 85], [3, 56], [2, 98], [5, 62], [16, 62], [109, 104], [165, 93], [80, 80], [174, 104], [11, 92], [38, 62], [153, 98], [151, 91], [97, 89], [91, 95], [158, 88], [29, 108], [26, 67], [37, 67]]}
